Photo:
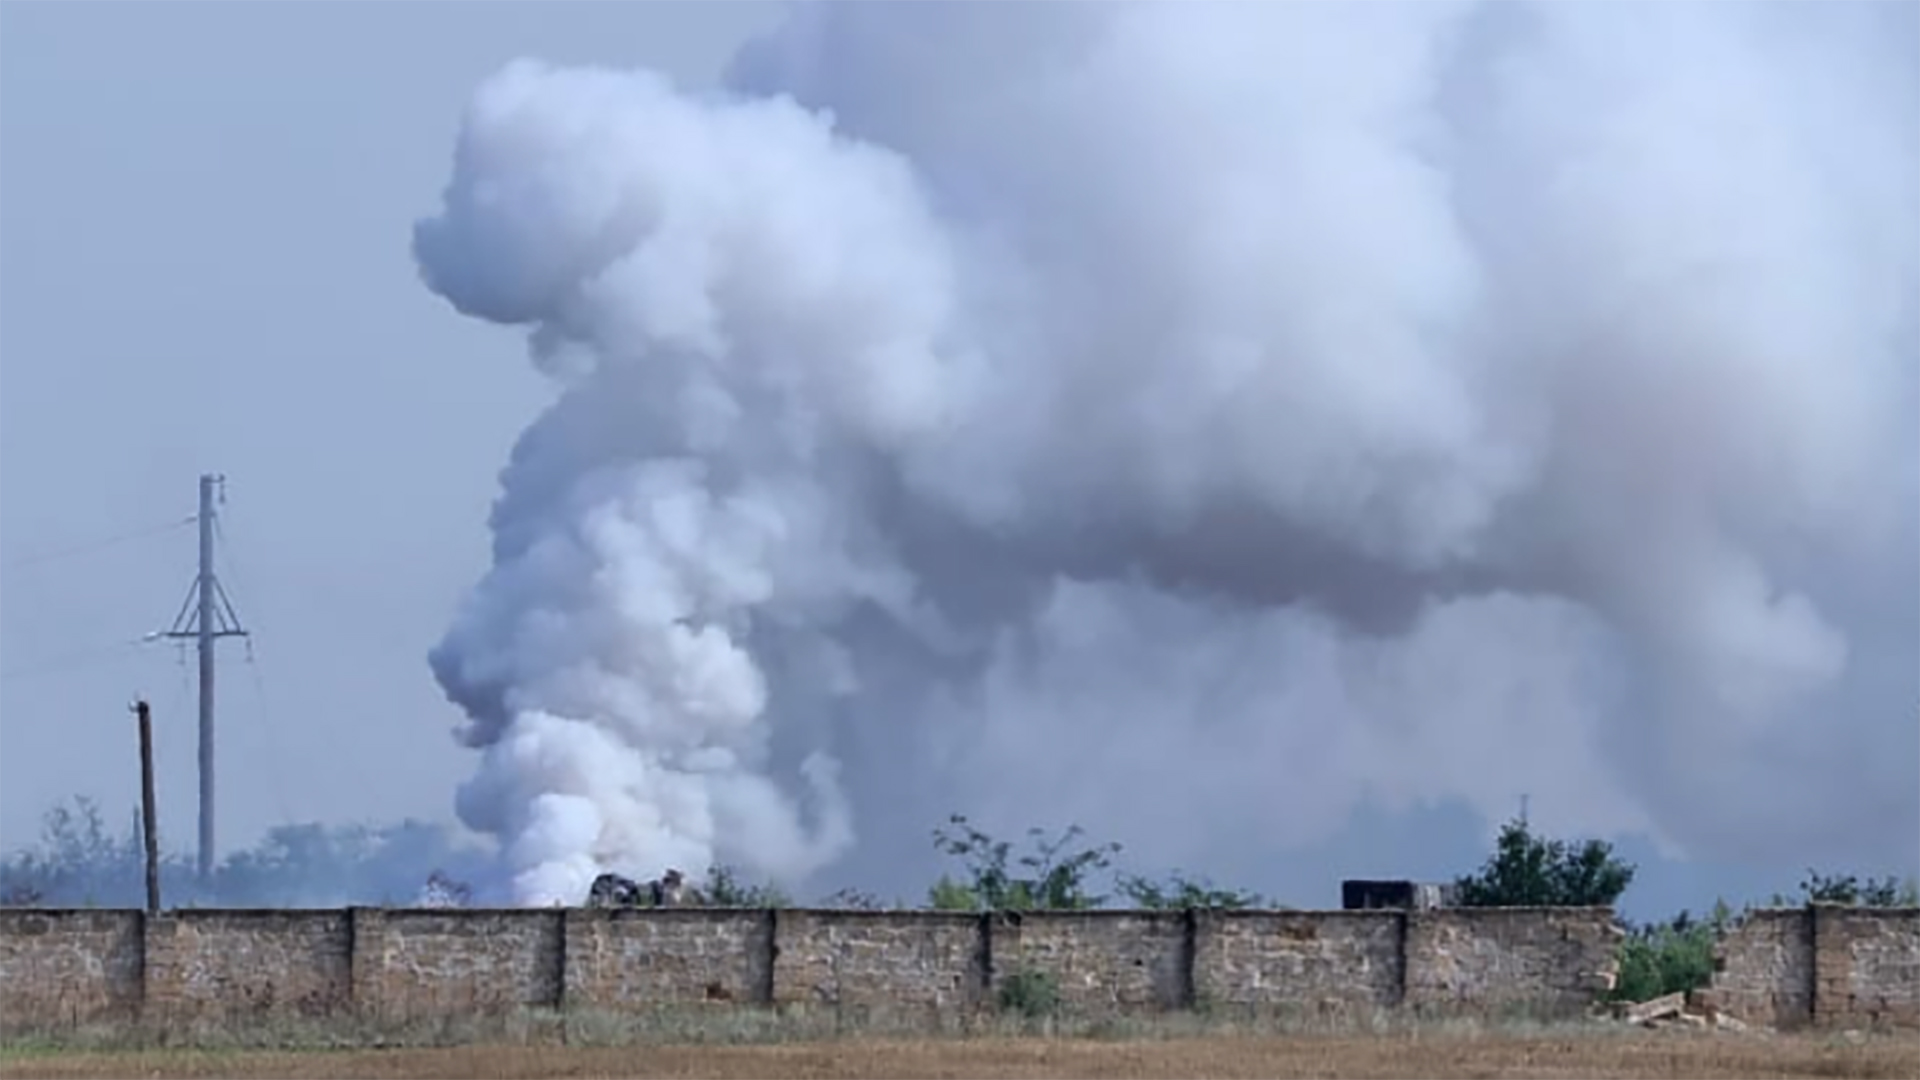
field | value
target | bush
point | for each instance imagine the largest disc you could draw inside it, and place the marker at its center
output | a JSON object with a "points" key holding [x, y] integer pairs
{"points": [[1181, 892], [1852, 891], [950, 895], [1669, 958], [725, 888], [1031, 993], [1055, 879]]}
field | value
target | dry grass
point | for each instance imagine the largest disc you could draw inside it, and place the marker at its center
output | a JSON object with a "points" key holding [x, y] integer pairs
{"points": [[1648, 1054]]}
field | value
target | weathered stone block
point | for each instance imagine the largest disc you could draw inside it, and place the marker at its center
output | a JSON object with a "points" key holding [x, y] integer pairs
{"points": [[1100, 961], [221, 966], [1826, 965], [902, 961], [625, 960], [1499, 960], [1263, 962], [456, 962], [62, 968]]}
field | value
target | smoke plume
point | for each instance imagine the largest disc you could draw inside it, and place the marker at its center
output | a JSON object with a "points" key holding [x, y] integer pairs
{"points": [[1163, 415]]}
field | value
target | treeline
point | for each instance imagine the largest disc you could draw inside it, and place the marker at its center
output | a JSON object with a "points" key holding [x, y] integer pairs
{"points": [[80, 862]]}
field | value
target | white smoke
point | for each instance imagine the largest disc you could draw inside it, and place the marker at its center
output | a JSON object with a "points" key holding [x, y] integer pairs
{"points": [[1164, 414]]}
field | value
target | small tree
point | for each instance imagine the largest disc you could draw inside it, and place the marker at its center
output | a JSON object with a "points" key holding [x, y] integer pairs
{"points": [[1533, 871], [1851, 891], [950, 895], [1180, 892], [78, 861], [1671, 957], [1054, 879], [725, 888], [852, 899]]}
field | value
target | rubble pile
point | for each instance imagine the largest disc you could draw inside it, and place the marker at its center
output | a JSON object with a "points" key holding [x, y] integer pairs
{"points": [[1694, 1008]]}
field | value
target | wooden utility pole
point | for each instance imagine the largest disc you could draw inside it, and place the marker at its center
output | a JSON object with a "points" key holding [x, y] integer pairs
{"points": [[149, 825]]}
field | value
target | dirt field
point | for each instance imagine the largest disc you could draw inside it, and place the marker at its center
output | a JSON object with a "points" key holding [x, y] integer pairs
{"points": [[1660, 1054]]}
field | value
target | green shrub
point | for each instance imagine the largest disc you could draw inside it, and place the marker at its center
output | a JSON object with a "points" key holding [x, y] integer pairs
{"points": [[1031, 993], [725, 888], [1054, 877], [1180, 892], [1669, 958]]}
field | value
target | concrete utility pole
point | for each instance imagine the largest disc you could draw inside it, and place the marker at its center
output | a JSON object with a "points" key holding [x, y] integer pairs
{"points": [[207, 616], [149, 825]]}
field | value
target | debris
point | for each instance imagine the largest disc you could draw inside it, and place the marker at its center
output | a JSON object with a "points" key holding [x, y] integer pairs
{"points": [[442, 891], [1695, 1009], [613, 890], [1659, 1008]]}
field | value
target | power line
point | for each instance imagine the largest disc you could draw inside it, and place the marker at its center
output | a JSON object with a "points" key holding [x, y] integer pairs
{"points": [[68, 661], [263, 726], [87, 547]]}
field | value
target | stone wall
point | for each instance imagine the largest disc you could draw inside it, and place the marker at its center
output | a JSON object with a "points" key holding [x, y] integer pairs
{"points": [[1102, 962], [70, 968], [437, 962], [867, 959], [631, 960], [1346, 963], [1543, 962], [1821, 966], [1764, 969], [188, 969], [246, 965]]}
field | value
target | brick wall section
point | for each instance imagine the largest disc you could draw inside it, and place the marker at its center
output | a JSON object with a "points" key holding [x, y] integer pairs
{"points": [[63, 968], [1548, 962], [1103, 962], [880, 960], [461, 963], [1764, 969], [69, 969], [1341, 963], [1830, 967], [1880, 985], [635, 960], [217, 966]]}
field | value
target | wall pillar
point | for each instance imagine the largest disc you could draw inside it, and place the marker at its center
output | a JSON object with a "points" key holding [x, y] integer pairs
{"points": [[161, 1001], [367, 946], [1831, 1000]]}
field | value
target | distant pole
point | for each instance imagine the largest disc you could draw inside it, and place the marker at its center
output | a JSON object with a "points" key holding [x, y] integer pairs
{"points": [[205, 640], [149, 824], [213, 618], [1523, 810]]}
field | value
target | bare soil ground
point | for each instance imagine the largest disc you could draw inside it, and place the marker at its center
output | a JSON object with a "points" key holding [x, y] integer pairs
{"points": [[1652, 1054]]}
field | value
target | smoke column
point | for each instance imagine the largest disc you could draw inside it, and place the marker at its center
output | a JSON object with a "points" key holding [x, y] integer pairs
{"points": [[1172, 414]]}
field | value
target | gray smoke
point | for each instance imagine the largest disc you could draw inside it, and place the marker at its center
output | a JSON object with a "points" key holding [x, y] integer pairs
{"points": [[1164, 415]]}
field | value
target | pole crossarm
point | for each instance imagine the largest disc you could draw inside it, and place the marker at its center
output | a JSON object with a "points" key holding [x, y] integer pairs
{"points": [[187, 623], [206, 616]]}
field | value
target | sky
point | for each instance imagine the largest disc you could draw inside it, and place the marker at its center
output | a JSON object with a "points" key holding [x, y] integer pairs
{"points": [[205, 211], [208, 262]]}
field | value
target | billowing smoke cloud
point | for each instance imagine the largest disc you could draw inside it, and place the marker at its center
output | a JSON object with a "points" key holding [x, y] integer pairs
{"points": [[1166, 415]]}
